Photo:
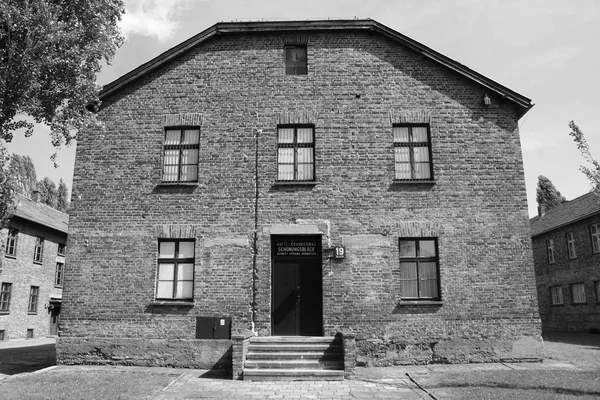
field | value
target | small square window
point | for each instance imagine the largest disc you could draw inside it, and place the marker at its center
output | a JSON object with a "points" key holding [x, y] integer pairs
{"points": [[29, 334], [412, 153], [11, 243], [175, 270], [62, 249], [556, 295], [34, 294], [550, 250], [296, 60], [419, 269], [180, 156], [578, 293], [38, 251]]}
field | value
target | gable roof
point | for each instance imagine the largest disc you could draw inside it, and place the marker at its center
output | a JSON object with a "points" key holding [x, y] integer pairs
{"points": [[368, 25], [568, 212], [41, 214]]}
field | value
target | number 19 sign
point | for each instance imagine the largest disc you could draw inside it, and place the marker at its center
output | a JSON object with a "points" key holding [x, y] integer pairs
{"points": [[339, 252]]}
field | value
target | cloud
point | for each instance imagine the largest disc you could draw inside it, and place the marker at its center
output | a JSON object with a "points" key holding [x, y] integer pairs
{"points": [[153, 18], [532, 141]]}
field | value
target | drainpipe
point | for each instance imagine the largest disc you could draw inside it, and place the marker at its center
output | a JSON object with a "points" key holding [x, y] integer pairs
{"points": [[255, 234]]}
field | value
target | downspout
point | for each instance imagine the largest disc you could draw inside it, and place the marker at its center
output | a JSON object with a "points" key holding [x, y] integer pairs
{"points": [[255, 234]]}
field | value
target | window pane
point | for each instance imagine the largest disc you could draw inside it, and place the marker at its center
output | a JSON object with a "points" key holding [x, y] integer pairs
{"points": [[184, 290], [421, 154], [171, 157], [429, 288], [172, 137], [164, 290], [189, 156], [427, 248], [305, 172], [427, 270], [186, 249], [408, 249], [185, 272], [403, 171], [408, 279], [286, 156], [166, 272], [419, 134], [191, 136], [305, 155], [402, 154], [300, 53], [166, 249], [290, 54], [301, 68], [286, 135], [189, 173], [170, 173], [285, 172], [400, 134], [578, 293], [305, 135]]}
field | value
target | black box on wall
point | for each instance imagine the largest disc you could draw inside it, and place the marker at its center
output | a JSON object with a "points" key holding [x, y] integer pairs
{"points": [[213, 327]]}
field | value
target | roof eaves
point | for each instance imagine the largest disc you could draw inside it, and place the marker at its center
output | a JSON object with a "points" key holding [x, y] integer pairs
{"points": [[566, 223]]}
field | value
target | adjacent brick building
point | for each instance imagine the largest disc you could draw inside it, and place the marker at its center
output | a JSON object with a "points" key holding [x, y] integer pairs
{"points": [[566, 253], [301, 178], [31, 272]]}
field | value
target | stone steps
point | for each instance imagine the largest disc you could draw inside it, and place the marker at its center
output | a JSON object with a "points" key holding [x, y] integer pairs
{"points": [[294, 358]]}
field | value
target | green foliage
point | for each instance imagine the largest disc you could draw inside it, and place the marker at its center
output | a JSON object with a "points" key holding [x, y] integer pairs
{"points": [[22, 172], [593, 170], [50, 53], [546, 194]]}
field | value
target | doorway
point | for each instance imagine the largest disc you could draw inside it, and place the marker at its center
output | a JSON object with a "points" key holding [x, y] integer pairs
{"points": [[54, 314], [297, 301]]}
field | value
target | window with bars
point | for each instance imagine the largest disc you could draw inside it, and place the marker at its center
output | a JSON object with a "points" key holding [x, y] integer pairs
{"points": [[550, 250], [175, 270], [556, 295], [595, 233], [571, 245], [11, 243], [34, 294], [412, 153], [578, 293], [419, 269], [296, 60], [38, 251], [295, 153], [5, 290], [180, 159], [58, 274]]}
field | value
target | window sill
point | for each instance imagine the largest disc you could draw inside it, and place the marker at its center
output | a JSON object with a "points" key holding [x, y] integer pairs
{"points": [[415, 182], [177, 184], [14, 257], [4, 312], [58, 286], [295, 183], [408, 303], [32, 313], [38, 262], [167, 303]]}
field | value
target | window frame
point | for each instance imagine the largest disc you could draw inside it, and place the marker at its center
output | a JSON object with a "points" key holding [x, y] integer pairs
{"points": [[59, 274], [411, 145], [295, 145], [180, 147], [175, 261], [38, 250], [558, 296], [5, 296], [571, 249], [34, 296], [550, 251], [62, 249], [597, 290], [582, 286], [417, 259], [10, 248], [595, 238], [295, 66]]}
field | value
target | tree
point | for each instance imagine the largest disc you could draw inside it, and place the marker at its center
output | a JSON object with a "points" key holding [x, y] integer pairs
{"points": [[50, 53], [546, 194], [593, 170], [6, 189], [48, 192], [63, 197], [22, 172]]}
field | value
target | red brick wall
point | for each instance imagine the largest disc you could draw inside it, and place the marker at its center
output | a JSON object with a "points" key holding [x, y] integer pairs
{"points": [[585, 268], [476, 207]]}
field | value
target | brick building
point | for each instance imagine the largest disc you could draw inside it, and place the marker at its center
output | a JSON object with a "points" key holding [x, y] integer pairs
{"points": [[31, 271], [566, 255], [301, 178]]}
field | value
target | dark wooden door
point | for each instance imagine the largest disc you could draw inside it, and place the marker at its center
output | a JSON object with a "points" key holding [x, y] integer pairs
{"points": [[297, 295], [54, 313]]}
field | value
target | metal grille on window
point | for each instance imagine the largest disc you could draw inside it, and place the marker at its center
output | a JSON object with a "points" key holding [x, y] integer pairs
{"points": [[180, 162], [175, 270], [419, 269], [412, 153], [296, 154]]}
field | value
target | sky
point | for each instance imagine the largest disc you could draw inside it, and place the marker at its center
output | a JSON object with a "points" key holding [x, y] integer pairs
{"points": [[546, 50]]}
